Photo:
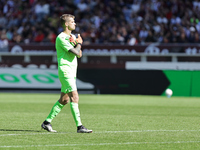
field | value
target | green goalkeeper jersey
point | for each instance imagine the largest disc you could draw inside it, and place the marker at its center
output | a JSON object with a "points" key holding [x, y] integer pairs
{"points": [[67, 61]]}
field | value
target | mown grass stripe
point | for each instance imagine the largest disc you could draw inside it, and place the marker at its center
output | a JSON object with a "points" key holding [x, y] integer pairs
{"points": [[98, 144], [104, 132]]}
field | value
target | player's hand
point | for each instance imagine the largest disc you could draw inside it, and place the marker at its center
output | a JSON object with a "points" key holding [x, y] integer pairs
{"points": [[79, 39], [71, 39]]}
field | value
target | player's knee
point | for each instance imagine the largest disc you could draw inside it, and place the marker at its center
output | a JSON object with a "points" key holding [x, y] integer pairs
{"points": [[75, 98], [64, 100]]}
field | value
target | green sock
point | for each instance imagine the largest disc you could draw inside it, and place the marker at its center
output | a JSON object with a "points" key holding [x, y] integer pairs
{"points": [[75, 113], [54, 111]]}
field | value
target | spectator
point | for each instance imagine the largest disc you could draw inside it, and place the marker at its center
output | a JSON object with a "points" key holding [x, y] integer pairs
{"points": [[39, 36], [102, 21], [132, 39], [17, 38], [41, 9], [162, 19], [196, 37], [143, 34], [3, 20], [150, 38], [3, 42], [82, 6], [182, 38], [50, 37]]}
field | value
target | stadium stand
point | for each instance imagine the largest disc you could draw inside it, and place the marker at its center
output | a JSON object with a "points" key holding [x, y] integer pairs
{"points": [[102, 21]]}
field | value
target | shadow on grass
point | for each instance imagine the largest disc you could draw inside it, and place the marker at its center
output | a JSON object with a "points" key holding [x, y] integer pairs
{"points": [[20, 130]]}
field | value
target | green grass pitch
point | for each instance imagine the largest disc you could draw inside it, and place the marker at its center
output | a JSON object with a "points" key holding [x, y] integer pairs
{"points": [[119, 122]]}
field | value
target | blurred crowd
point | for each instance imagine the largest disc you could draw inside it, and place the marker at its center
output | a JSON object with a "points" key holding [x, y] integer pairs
{"points": [[102, 21]]}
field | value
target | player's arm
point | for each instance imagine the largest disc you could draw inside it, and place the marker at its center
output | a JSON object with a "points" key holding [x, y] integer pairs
{"points": [[77, 50]]}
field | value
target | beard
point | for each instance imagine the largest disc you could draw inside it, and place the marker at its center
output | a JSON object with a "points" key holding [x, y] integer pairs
{"points": [[71, 28]]}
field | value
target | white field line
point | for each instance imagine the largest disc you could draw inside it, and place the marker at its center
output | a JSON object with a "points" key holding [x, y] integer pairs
{"points": [[150, 131], [28, 134], [98, 144], [103, 132]]}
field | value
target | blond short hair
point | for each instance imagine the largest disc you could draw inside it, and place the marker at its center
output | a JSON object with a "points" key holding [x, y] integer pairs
{"points": [[64, 18]]}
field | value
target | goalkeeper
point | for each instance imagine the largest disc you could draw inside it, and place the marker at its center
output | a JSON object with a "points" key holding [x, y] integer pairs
{"points": [[68, 50]]}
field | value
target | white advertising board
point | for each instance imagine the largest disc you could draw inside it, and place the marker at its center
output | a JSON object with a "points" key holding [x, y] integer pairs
{"points": [[34, 78]]}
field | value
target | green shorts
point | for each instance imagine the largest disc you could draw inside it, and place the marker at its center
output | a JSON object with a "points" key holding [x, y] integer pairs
{"points": [[68, 84]]}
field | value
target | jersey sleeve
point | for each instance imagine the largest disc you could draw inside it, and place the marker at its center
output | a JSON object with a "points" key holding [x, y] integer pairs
{"points": [[64, 43]]}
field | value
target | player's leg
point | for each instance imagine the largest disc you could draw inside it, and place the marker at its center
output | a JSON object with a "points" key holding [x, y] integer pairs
{"points": [[74, 98], [57, 107], [64, 99]]}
